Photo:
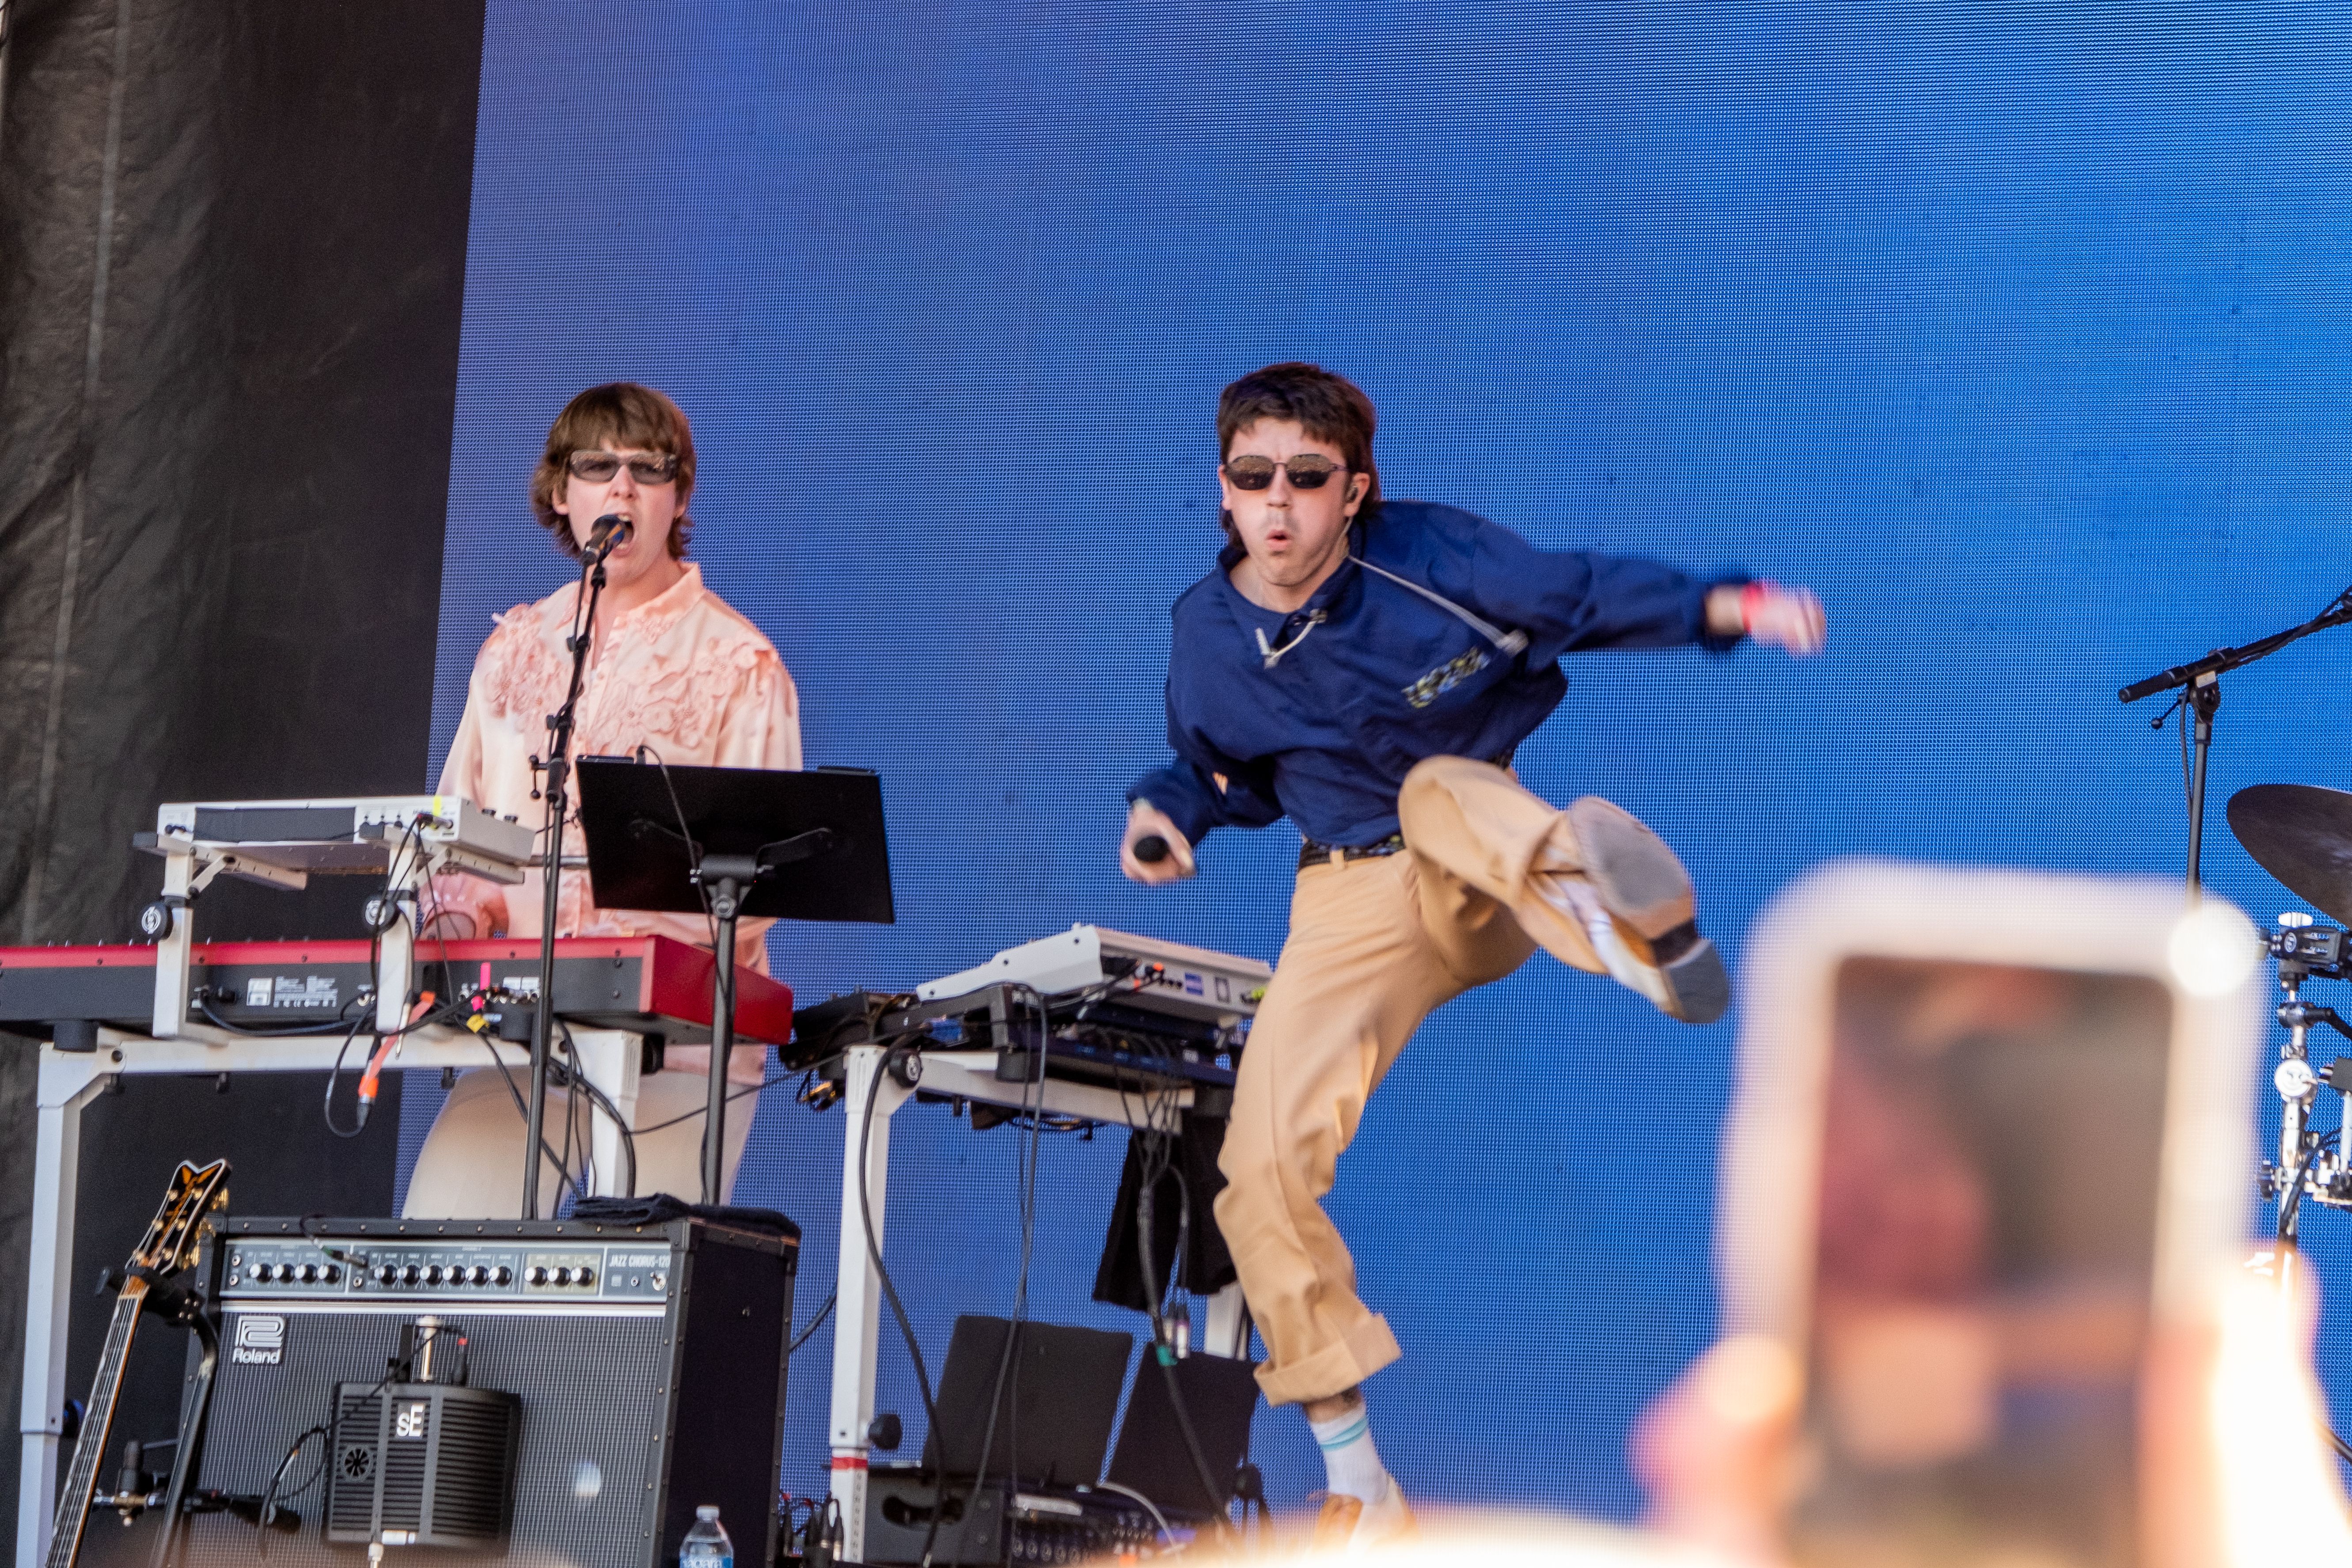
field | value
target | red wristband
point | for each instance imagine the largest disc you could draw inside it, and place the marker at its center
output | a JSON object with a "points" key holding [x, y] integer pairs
{"points": [[1752, 599]]}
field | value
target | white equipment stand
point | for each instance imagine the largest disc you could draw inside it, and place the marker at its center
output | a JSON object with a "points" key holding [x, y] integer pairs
{"points": [[70, 1080], [857, 1322], [418, 838]]}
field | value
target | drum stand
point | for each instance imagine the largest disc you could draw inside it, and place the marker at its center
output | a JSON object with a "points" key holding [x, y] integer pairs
{"points": [[2305, 1169]]}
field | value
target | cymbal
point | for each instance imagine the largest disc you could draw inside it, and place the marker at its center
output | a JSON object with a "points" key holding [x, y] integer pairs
{"points": [[2301, 835]]}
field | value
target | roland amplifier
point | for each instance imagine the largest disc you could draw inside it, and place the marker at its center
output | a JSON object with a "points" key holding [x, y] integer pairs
{"points": [[645, 1367]]}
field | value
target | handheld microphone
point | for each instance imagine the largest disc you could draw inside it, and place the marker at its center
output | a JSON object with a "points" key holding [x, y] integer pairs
{"points": [[610, 532], [1151, 849]]}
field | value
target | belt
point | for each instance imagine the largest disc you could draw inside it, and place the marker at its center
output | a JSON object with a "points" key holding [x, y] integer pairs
{"points": [[1313, 854]]}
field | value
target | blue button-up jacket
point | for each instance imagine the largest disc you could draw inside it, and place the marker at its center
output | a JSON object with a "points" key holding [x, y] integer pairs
{"points": [[1320, 714]]}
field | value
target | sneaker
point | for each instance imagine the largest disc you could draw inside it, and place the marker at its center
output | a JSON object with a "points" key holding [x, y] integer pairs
{"points": [[1348, 1525], [1642, 886]]}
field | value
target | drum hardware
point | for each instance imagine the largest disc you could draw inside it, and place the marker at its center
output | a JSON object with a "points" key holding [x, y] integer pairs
{"points": [[2302, 836], [2308, 1167]]}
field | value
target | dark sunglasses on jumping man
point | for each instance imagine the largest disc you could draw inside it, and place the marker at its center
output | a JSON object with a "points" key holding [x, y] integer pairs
{"points": [[657, 468], [1309, 471]]}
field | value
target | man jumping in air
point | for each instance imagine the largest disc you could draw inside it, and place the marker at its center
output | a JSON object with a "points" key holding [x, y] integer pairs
{"points": [[1367, 671]]}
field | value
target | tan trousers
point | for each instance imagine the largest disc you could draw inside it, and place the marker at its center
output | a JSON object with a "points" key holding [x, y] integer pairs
{"points": [[1374, 945], [471, 1164]]}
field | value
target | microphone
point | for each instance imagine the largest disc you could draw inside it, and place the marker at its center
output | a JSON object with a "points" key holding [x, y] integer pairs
{"points": [[610, 532], [1151, 849]]}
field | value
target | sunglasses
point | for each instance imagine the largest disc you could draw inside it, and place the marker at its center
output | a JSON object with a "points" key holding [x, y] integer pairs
{"points": [[1309, 471], [658, 469]]}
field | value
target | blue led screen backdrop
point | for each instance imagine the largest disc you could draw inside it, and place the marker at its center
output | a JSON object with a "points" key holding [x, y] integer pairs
{"points": [[2019, 335]]}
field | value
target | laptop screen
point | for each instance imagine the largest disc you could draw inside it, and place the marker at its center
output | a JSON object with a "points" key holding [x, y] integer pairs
{"points": [[1060, 1395]]}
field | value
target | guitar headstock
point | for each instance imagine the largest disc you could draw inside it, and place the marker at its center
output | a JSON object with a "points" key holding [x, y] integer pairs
{"points": [[170, 1244]]}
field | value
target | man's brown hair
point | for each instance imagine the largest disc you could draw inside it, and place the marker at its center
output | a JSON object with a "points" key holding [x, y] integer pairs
{"points": [[1327, 406], [618, 413]]}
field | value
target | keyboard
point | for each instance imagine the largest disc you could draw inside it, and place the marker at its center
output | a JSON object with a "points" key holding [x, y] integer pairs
{"points": [[647, 984], [1149, 975]]}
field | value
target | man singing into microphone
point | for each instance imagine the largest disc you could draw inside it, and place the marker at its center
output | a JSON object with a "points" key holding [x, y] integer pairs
{"points": [[1367, 671], [671, 667]]}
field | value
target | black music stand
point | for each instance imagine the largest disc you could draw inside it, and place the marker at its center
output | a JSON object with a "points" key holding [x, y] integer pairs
{"points": [[732, 842]]}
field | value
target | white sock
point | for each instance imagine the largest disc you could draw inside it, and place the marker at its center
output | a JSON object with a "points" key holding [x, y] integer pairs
{"points": [[1350, 1460], [1574, 896]]}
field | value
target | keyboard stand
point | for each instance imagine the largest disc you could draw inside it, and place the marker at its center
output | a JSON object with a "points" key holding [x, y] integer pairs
{"points": [[968, 1075]]}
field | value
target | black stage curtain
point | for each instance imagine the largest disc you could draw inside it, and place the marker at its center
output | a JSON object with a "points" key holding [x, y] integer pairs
{"points": [[232, 265]]}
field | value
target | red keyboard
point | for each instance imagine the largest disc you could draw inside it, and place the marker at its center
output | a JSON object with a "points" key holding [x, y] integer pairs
{"points": [[649, 985]]}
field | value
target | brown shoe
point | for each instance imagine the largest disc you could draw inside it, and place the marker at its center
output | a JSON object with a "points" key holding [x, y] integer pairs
{"points": [[1641, 884], [1337, 1523], [1342, 1527]]}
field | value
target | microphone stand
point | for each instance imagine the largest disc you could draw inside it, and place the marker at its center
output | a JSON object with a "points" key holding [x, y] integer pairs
{"points": [[559, 806], [2199, 684]]}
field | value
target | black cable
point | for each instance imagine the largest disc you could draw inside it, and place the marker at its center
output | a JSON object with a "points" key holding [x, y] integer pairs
{"points": [[813, 1323], [2343, 1449], [204, 1005], [693, 849], [269, 1493], [1160, 1352], [498, 1065], [604, 1102], [705, 1111], [566, 1074], [327, 1101], [897, 1308], [1155, 1164], [1021, 1285], [269, 1498], [874, 1249]]}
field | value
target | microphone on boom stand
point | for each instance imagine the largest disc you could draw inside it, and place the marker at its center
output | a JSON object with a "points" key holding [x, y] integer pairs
{"points": [[610, 532]]}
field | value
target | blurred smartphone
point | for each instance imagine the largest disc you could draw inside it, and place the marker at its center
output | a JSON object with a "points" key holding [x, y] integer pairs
{"points": [[1994, 1132]]}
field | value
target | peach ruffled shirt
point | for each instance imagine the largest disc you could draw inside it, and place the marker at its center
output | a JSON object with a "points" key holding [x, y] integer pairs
{"points": [[683, 673]]}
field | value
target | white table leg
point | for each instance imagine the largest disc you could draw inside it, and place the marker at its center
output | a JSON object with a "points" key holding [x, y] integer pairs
{"points": [[175, 953], [69, 1081], [1226, 1333], [611, 1058], [857, 1308]]}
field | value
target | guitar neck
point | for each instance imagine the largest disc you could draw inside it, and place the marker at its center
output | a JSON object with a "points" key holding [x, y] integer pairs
{"points": [[97, 1424]]}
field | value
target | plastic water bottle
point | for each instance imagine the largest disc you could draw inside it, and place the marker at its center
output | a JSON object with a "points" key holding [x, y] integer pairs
{"points": [[706, 1545]]}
